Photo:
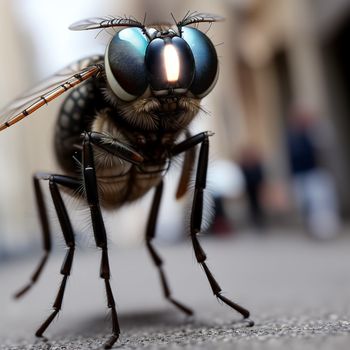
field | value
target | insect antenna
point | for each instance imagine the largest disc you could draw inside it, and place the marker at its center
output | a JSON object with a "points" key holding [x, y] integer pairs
{"points": [[179, 24], [144, 31], [173, 17], [210, 25], [196, 17], [98, 33], [113, 28], [188, 14], [176, 23], [110, 18]]}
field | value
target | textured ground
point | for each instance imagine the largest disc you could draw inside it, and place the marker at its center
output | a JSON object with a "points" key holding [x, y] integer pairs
{"points": [[298, 291]]}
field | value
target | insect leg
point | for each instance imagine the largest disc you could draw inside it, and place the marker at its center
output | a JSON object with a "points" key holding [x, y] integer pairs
{"points": [[197, 213], [68, 234], [186, 171], [90, 183], [150, 233], [46, 235]]}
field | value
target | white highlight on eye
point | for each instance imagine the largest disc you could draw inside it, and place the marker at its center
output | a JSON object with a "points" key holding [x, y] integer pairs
{"points": [[172, 63]]}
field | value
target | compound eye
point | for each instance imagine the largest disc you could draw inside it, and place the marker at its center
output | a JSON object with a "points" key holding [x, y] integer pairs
{"points": [[125, 64], [170, 65], [205, 60]]}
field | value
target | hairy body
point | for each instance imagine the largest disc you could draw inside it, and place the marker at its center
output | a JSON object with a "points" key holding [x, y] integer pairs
{"points": [[148, 125], [116, 135]]}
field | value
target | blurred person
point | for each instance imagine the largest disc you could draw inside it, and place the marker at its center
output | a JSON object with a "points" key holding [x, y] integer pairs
{"points": [[226, 183], [313, 185], [253, 173], [221, 225]]}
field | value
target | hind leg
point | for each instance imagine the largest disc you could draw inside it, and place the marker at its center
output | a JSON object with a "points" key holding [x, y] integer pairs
{"points": [[46, 235], [67, 230], [150, 233]]}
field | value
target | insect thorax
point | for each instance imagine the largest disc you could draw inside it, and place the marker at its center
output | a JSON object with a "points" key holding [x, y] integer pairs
{"points": [[87, 109]]}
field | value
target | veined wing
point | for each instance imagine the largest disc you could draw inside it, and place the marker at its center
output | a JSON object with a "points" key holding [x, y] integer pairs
{"points": [[106, 22], [197, 17], [51, 88]]}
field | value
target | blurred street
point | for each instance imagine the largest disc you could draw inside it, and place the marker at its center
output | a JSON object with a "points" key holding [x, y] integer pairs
{"points": [[277, 197], [298, 291]]}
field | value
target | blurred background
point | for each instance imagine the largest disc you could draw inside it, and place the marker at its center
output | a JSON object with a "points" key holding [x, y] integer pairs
{"points": [[278, 200], [279, 112]]}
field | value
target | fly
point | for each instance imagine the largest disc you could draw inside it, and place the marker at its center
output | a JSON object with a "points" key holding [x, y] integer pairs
{"points": [[126, 116]]}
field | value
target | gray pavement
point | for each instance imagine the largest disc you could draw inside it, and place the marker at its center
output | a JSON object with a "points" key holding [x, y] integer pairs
{"points": [[297, 289]]}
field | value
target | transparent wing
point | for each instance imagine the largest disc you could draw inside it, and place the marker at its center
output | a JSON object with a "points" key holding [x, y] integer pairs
{"points": [[51, 88], [196, 17], [105, 22]]}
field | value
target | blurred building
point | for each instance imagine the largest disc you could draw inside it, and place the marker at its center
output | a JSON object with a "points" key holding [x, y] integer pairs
{"points": [[295, 54], [275, 54], [35, 47]]}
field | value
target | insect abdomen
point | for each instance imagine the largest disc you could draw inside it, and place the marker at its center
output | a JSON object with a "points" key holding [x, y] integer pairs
{"points": [[75, 116]]}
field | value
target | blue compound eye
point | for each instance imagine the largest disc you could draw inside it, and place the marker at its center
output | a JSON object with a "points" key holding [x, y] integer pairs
{"points": [[205, 60], [125, 64]]}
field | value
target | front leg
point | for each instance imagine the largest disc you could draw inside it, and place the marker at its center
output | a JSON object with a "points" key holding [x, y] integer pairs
{"points": [[197, 213], [114, 147], [91, 192]]}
